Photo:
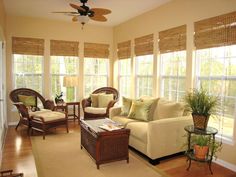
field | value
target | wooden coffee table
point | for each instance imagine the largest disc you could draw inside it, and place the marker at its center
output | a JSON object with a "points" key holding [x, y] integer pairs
{"points": [[104, 146]]}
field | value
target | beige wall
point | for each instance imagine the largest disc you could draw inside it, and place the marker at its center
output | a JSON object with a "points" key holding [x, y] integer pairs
{"points": [[170, 15], [2, 20], [47, 29]]}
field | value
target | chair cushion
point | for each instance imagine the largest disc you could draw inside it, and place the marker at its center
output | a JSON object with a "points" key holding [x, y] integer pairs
{"points": [[103, 100], [169, 109], [94, 99], [50, 116], [95, 110], [140, 110], [39, 112], [127, 102], [27, 100]]}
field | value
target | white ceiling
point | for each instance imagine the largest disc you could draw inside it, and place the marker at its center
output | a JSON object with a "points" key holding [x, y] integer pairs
{"points": [[122, 10]]}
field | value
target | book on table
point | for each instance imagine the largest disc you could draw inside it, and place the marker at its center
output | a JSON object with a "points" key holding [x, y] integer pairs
{"points": [[111, 125]]}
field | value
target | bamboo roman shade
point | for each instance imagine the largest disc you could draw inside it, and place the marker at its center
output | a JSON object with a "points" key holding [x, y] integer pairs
{"points": [[27, 46], [64, 48], [124, 50], [173, 39], [215, 32], [94, 50], [144, 45]]}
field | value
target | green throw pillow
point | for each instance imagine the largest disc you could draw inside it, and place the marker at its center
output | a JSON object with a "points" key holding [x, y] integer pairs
{"points": [[94, 99], [27, 100], [140, 110], [103, 100], [126, 106]]}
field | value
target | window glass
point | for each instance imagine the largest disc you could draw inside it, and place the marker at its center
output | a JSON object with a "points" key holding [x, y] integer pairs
{"points": [[124, 74]]}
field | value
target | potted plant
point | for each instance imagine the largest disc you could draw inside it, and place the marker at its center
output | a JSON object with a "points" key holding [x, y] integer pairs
{"points": [[202, 105], [203, 145]]}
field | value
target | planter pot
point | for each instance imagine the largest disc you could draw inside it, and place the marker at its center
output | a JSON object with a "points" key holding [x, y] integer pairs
{"points": [[200, 152], [200, 121]]}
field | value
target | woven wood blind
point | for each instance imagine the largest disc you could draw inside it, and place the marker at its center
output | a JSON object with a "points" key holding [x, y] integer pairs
{"points": [[27, 46], [173, 39], [64, 48], [124, 50], [144, 45], [94, 50], [215, 32]]}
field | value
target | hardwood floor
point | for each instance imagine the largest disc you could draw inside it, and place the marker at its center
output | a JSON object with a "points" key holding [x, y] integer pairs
{"points": [[17, 155]]}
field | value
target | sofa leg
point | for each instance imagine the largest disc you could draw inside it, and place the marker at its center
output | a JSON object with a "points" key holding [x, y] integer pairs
{"points": [[154, 162]]}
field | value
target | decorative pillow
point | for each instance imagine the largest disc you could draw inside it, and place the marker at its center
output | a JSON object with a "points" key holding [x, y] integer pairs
{"points": [[103, 100], [140, 110], [169, 109], [27, 100], [153, 106], [94, 99], [127, 102]]}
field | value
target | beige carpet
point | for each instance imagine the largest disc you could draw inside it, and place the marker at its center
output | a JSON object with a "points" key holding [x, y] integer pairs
{"points": [[60, 155]]}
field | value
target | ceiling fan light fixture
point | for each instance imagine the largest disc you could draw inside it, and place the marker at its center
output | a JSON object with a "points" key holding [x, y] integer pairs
{"points": [[83, 19]]}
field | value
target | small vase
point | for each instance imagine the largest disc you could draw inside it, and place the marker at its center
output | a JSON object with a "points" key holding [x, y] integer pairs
{"points": [[200, 121]]}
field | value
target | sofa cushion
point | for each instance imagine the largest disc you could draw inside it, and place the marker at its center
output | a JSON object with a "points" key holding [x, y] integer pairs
{"points": [[95, 110], [123, 120], [126, 106], [94, 99], [103, 100], [138, 130], [153, 107], [140, 110], [169, 109]]}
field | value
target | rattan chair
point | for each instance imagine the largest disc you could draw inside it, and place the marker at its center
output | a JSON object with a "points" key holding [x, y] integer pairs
{"points": [[87, 102], [40, 120], [9, 173], [47, 104]]}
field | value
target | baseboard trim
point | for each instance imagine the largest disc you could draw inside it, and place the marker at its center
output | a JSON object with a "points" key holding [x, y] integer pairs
{"points": [[12, 123], [226, 164]]}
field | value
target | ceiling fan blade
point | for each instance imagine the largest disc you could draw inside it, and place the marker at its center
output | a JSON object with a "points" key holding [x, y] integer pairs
{"points": [[66, 12], [100, 11], [99, 18], [75, 19], [77, 7]]}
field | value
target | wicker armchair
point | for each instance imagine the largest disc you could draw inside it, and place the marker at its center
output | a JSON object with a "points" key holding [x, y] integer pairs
{"points": [[41, 120], [47, 104], [87, 102], [9, 173]]}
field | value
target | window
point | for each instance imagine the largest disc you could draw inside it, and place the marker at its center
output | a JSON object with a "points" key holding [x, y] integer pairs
{"points": [[215, 40], [62, 66], [124, 74], [216, 72], [95, 74], [173, 71], [172, 45], [144, 75], [28, 71]]}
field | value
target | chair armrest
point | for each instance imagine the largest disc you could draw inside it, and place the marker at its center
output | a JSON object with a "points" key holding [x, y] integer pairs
{"points": [[22, 109], [49, 104], [165, 136], [114, 111], [85, 103], [110, 105]]}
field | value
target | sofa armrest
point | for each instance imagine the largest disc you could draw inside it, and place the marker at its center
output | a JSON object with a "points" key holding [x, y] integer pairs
{"points": [[166, 136], [114, 111]]}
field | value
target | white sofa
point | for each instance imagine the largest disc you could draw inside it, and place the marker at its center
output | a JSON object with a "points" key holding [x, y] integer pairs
{"points": [[160, 137]]}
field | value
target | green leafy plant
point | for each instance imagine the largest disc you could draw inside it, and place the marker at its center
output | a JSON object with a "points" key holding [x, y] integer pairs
{"points": [[200, 102]]}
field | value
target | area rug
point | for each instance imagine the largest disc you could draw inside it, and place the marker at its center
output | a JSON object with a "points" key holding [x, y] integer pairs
{"points": [[60, 156]]}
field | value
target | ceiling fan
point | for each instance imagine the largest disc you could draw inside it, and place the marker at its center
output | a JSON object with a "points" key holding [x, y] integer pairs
{"points": [[83, 13]]}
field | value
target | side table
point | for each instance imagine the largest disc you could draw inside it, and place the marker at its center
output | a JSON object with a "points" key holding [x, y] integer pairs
{"points": [[210, 131], [65, 107]]}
